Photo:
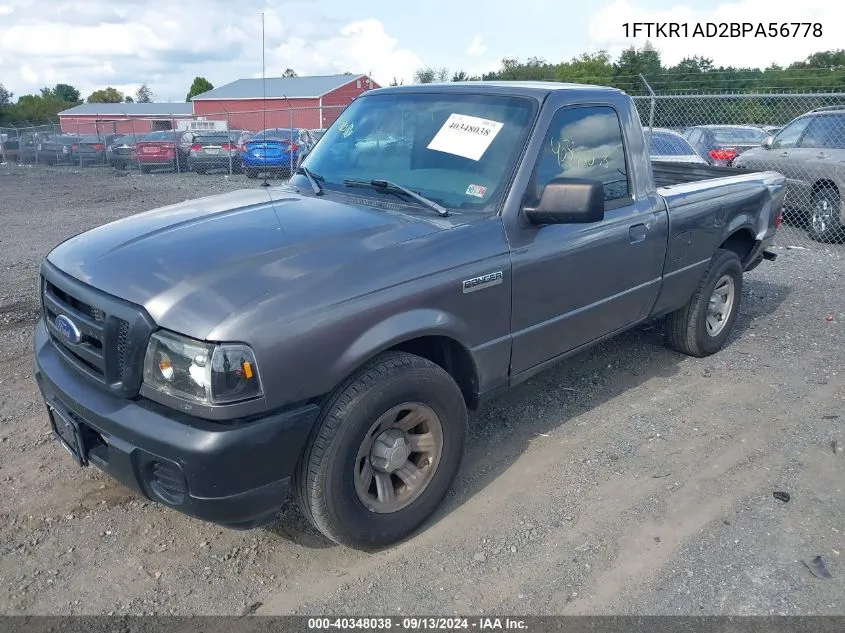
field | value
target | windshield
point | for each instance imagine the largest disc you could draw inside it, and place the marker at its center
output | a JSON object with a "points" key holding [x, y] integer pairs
{"points": [[456, 149], [665, 144], [747, 136]]}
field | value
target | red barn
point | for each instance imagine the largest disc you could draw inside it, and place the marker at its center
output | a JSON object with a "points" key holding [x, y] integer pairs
{"points": [[301, 102], [123, 118]]}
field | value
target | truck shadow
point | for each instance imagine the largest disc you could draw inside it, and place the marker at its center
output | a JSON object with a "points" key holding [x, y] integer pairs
{"points": [[572, 388]]}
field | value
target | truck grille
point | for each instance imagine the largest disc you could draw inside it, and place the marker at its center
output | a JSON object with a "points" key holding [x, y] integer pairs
{"points": [[112, 335]]}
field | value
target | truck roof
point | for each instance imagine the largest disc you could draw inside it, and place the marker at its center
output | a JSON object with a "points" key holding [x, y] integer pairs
{"points": [[537, 89]]}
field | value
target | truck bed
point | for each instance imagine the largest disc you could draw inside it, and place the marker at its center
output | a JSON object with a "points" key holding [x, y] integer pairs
{"points": [[667, 174]]}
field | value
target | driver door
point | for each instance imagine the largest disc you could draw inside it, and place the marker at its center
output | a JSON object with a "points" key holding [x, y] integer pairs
{"points": [[574, 283]]}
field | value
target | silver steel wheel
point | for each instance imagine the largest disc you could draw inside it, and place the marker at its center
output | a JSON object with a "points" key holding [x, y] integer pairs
{"points": [[822, 217], [398, 457], [720, 306]]}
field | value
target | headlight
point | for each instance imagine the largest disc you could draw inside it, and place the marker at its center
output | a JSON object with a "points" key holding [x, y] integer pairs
{"points": [[206, 373]]}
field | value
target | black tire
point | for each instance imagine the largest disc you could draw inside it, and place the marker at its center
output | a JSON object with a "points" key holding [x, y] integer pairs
{"points": [[687, 328], [200, 170], [823, 223], [251, 172], [324, 481]]}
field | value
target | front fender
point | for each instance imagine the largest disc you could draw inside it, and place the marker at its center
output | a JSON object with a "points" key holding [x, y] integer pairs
{"points": [[397, 329]]}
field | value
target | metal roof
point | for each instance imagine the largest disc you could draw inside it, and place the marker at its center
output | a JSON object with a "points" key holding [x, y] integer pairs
{"points": [[278, 87], [131, 109]]}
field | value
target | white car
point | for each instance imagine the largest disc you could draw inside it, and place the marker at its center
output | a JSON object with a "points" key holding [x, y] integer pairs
{"points": [[668, 145]]}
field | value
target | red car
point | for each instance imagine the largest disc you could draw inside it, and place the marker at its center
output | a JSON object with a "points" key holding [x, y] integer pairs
{"points": [[159, 149]]}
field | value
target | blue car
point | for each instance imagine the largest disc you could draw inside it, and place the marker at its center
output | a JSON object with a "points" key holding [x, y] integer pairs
{"points": [[276, 151]]}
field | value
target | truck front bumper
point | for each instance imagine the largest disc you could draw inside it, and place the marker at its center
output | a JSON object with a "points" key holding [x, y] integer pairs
{"points": [[236, 475]]}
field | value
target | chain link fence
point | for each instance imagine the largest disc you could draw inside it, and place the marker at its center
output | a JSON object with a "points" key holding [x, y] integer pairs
{"points": [[799, 135]]}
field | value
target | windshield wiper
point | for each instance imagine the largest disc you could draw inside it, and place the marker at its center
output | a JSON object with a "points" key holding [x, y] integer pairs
{"points": [[387, 185], [312, 178]]}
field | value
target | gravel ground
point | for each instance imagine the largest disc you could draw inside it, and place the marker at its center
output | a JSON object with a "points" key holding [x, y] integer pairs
{"points": [[631, 480]]}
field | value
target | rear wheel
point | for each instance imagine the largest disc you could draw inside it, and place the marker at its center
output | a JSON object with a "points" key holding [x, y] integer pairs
{"points": [[385, 451], [702, 326], [824, 225]]}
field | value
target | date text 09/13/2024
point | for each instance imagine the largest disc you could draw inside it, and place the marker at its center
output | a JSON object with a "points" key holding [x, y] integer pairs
{"points": [[722, 29], [418, 623]]}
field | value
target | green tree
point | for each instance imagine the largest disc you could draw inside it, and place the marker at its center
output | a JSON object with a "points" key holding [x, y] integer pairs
{"points": [[397, 83], [144, 94], [5, 97], [200, 85], [289, 72], [106, 95], [431, 75], [67, 93], [38, 108], [460, 76]]}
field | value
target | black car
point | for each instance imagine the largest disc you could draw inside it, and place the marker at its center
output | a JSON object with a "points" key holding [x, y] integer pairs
{"points": [[721, 144], [119, 152], [47, 148]]}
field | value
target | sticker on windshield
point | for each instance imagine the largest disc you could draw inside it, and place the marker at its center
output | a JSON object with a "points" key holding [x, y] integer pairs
{"points": [[466, 136], [346, 128], [476, 191]]}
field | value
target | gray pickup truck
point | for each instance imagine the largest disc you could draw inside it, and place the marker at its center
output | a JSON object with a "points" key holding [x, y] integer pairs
{"points": [[325, 338]]}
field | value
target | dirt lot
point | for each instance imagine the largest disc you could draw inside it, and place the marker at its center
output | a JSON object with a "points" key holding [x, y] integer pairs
{"points": [[630, 480]]}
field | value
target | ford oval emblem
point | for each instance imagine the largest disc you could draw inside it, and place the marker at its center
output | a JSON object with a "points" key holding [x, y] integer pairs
{"points": [[68, 329]]}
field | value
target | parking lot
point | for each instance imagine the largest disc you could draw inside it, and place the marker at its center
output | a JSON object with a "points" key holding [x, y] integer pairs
{"points": [[630, 479]]}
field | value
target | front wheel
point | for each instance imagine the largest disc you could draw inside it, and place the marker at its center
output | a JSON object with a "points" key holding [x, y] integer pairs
{"points": [[824, 223], [384, 452], [702, 326]]}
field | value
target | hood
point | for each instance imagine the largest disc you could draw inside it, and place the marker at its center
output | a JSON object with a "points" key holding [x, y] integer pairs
{"points": [[192, 264]]}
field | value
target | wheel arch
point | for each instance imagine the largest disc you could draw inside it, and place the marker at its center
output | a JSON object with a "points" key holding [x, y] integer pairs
{"points": [[430, 334]]}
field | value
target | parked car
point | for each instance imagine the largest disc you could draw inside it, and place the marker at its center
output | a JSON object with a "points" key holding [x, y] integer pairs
{"points": [[10, 145], [810, 152], [771, 130], [274, 150], [162, 149], [217, 150], [119, 152], [47, 148], [669, 146], [91, 149], [217, 354], [721, 144]]}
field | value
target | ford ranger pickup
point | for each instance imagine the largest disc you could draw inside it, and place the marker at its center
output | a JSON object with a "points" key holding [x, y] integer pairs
{"points": [[325, 338]]}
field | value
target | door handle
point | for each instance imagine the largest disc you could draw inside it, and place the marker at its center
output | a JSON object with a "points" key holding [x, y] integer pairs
{"points": [[637, 233]]}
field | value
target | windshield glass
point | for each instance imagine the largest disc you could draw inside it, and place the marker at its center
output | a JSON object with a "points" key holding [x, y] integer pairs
{"points": [[749, 136], [665, 144], [456, 149]]}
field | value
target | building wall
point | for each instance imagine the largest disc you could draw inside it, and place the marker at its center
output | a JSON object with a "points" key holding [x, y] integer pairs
{"points": [[248, 114], [335, 101], [93, 124]]}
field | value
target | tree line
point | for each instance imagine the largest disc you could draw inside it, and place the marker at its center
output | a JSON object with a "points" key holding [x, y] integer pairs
{"points": [[636, 70], [43, 107]]}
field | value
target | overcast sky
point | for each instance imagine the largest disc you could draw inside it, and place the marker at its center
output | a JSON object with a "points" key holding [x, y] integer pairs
{"points": [[95, 43]]}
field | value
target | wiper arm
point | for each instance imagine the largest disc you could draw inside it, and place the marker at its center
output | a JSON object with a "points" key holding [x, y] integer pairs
{"points": [[387, 185], [312, 178]]}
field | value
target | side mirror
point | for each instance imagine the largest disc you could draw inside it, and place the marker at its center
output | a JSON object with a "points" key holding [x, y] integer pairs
{"points": [[767, 142], [569, 201]]}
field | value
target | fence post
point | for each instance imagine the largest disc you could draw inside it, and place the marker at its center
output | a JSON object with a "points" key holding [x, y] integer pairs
{"points": [[651, 109], [229, 135], [292, 140]]}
